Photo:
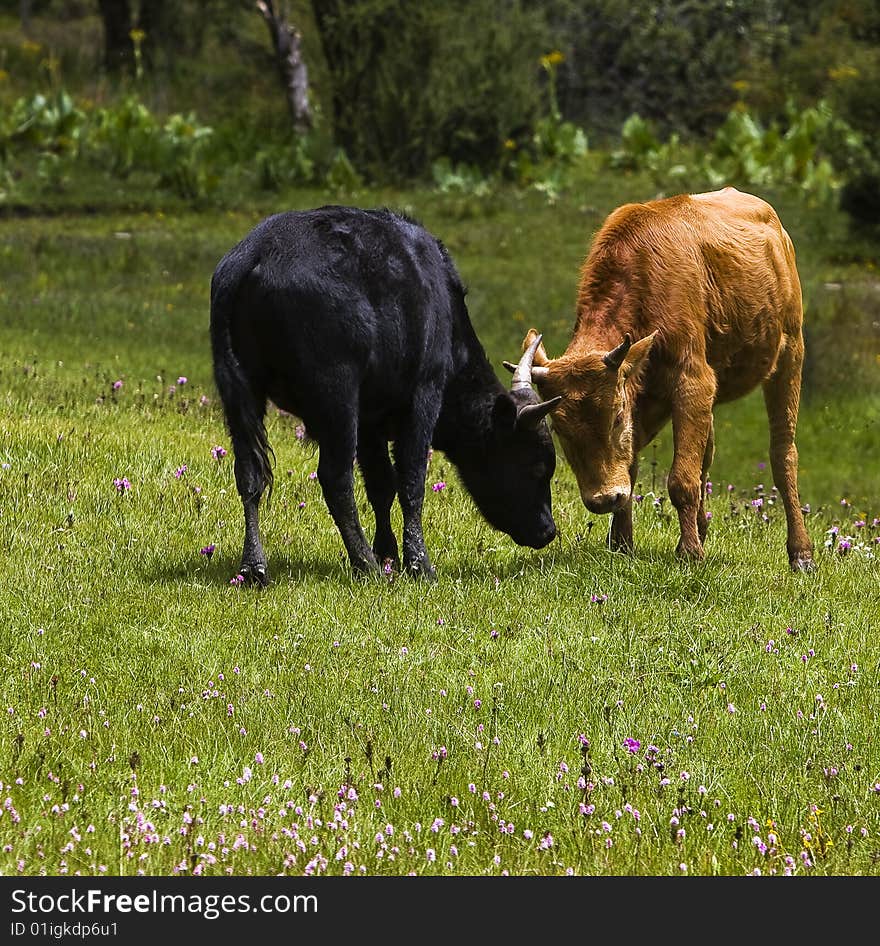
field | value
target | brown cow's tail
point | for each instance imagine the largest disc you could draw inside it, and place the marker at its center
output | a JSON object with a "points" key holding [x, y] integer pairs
{"points": [[243, 407]]}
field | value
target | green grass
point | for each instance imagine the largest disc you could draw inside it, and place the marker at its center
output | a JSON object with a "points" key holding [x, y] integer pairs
{"points": [[145, 698]]}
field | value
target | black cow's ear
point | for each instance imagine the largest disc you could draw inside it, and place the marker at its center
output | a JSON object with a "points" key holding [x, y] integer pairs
{"points": [[504, 413]]}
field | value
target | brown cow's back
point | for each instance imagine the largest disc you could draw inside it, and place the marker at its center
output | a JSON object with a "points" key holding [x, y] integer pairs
{"points": [[713, 273]]}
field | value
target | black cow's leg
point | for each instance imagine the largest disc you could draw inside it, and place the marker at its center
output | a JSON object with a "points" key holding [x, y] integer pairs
{"points": [[250, 481], [253, 566], [411, 463], [381, 486], [336, 476]]}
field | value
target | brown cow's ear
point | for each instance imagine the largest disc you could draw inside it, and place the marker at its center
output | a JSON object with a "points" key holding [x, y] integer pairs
{"points": [[637, 356], [540, 352]]}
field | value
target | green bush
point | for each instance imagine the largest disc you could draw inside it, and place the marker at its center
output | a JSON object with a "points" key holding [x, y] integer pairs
{"points": [[412, 82], [806, 153], [43, 123], [182, 157], [854, 95], [124, 136], [48, 135]]}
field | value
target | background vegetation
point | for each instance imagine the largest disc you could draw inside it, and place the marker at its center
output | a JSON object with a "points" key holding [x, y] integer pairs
{"points": [[568, 710], [186, 96]]}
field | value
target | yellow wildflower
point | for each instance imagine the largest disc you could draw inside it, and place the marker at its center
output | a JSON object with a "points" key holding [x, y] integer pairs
{"points": [[841, 73], [552, 59]]}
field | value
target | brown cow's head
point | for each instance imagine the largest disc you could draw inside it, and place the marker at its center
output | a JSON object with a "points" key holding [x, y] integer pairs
{"points": [[593, 420]]}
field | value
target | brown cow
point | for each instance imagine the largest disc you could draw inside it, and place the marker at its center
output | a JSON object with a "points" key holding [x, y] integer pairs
{"points": [[708, 287]]}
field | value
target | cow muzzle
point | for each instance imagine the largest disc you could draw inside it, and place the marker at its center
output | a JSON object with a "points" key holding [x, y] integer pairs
{"points": [[607, 500]]}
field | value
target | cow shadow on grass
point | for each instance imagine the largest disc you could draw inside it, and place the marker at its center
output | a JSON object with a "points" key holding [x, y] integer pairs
{"points": [[221, 571], [586, 563], [595, 561]]}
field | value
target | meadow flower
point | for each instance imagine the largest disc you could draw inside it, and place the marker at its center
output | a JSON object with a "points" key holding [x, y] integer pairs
{"points": [[439, 486], [207, 550], [122, 484], [180, 471], [218, 452], [631, 745], [182, 380], [117, 385]]}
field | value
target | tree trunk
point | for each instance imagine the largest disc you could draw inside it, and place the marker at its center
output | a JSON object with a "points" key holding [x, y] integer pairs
{"points": [[118, 45], [24, 8], [156, 24], [287, 42]]}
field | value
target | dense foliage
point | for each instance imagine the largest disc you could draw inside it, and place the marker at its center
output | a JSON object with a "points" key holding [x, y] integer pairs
{"points": [[465, 92]]}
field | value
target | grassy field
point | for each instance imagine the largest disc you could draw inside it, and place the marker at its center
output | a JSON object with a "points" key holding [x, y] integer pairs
{"points": [[568, 710]]}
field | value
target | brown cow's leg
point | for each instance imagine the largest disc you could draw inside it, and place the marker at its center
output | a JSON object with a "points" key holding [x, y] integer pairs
{"points": [[691, 426], [782, 399], [708, 456], [620, 536]]}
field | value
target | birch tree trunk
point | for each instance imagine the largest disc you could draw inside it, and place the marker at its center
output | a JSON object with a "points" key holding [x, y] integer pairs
{"points": [[287, 43]]}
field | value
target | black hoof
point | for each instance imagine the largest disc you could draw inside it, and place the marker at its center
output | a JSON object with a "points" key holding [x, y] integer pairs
{"points": [[422, 570], [365, 568], [256, 574]]}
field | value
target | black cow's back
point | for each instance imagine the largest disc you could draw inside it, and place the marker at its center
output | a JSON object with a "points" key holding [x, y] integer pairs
{"points": [[341, 299]]}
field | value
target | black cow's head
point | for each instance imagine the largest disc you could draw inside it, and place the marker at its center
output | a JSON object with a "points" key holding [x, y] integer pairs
{"points": [[509, 479]]}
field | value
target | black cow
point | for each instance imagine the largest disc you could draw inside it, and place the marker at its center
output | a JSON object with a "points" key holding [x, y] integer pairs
{"points": [[355, 321]]}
